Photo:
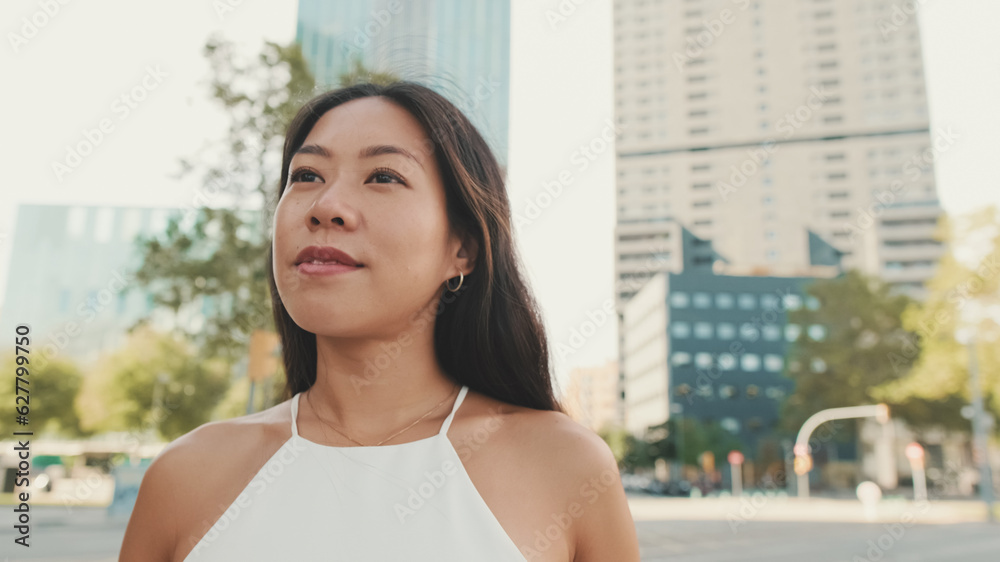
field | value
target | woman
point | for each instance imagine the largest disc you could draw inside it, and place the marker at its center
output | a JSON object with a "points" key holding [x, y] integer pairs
{"points": [[422, 422]]}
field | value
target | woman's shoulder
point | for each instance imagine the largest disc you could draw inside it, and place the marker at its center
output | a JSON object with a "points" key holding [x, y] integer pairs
{"points": [[195, 473], [562, 468], [559, 443], [207, 443]]}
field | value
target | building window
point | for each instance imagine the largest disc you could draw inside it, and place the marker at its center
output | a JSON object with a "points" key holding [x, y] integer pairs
{"points": [[726, 361], [104, 224], [771, 332], [752, 391], [747, 301], [680, 358], [769, 302], [750, 362], [749, 332], [724, 300], [773, 363], [817, 365], [725, 331], [702, 300], [792, 301], [76, 222], [775, 392], [792, 332], [812, 303], [728, 391], [703, 330], [680, 330], [703, 360], [679, 300], [817, 332]]}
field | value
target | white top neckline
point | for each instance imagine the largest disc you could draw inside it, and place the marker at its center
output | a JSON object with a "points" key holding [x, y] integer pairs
{"points": [[441, 433], [412, 501]]}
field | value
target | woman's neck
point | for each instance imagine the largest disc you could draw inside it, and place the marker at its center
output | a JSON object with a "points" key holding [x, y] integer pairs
{"points": [[371, 388]]}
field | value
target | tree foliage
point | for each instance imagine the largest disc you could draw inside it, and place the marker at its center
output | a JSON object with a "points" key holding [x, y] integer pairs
{"points": [[156, 384], [216, 249], [52, 388], [862, 320], [665, 441], [963, 291]]}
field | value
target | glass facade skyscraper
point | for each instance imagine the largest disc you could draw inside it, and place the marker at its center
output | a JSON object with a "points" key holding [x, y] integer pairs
{"points": [[461, 48]]}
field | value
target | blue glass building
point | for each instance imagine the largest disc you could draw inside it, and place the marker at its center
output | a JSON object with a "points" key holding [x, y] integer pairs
{"points": [[711, 346], [461, 48]]}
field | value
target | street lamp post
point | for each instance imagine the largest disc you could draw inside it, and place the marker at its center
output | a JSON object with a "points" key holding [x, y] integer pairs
{"points": [[979, 433]]}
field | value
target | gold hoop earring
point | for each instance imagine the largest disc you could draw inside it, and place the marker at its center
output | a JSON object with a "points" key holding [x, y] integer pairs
{"points": [[461, 279]]}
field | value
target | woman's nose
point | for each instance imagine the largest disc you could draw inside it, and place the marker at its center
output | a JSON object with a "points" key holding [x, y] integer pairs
{"points": [[332, 208]]}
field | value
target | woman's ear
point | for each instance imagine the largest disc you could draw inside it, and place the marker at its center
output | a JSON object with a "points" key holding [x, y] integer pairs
{"points": [[468, 252]]}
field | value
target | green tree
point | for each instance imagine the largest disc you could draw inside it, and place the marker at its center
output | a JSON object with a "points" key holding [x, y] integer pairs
{"points": [[156, 383], [266, 393], [845, 352], [52, 389], [630, 451], [358, 73], [935, 364], [215, 249], [218, 250]]}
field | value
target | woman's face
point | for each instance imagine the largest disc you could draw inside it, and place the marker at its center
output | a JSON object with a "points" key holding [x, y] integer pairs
{"points": [[365, 182]]}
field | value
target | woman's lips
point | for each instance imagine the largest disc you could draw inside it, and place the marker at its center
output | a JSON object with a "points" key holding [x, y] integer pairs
{"points": [[330, 268]]}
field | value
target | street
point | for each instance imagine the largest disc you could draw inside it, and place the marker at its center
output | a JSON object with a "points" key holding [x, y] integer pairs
{"points": [[669, 529], [775, 541]]}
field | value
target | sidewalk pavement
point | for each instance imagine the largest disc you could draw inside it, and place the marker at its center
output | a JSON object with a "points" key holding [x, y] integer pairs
{"points": [[763, 507]]}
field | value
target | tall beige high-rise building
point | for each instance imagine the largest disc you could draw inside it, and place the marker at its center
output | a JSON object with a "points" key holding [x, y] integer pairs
{"points": [[769, 128], [749, 121]]}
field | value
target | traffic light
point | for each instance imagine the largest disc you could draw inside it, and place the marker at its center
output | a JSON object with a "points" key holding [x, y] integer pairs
{"points": [[803, 464]]}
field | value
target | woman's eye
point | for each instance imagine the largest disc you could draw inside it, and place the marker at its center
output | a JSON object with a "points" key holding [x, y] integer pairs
{"points": [[303, 175], [384, 176]]}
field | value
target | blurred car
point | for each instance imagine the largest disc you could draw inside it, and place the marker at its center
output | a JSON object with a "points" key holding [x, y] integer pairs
{"points": [[677, 488]]}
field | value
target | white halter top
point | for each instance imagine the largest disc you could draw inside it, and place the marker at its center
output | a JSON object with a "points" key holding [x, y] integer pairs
{"points": [[412, 501]]}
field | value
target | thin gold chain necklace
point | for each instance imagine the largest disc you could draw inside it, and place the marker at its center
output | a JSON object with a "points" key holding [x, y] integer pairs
{"points": [[389, 437]]}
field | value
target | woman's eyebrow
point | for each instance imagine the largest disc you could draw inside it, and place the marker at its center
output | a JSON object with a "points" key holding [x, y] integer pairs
{"points": [[380, 149], [367, 152]]}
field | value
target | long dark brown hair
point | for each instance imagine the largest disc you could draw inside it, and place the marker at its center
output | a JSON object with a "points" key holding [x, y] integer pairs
{"points": [[489, 335]]}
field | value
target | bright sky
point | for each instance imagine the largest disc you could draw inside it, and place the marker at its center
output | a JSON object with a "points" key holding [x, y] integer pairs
{"points": [[66, 77]]}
